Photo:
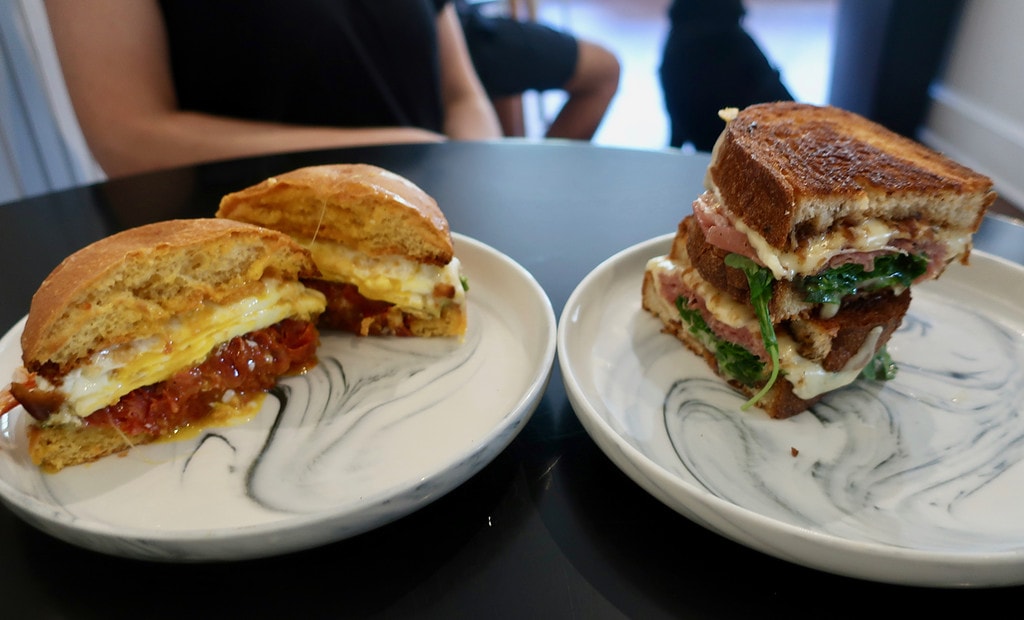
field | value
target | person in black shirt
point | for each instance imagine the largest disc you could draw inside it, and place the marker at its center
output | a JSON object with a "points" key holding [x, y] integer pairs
{"points": [[157, 84]]}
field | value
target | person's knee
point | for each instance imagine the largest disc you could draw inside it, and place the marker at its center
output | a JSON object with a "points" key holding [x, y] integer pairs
{"points": [[597, 70]]}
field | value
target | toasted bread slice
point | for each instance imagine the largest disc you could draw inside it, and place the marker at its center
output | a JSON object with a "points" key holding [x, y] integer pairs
{"points": [[792, 171]]}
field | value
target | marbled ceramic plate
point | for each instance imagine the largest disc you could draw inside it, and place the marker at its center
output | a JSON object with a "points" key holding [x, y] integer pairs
{"points": [[915, 481], [380, 428]]}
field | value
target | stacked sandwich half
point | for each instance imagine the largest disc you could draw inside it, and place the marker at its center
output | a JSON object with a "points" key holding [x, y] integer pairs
{"points": [[795, 268]]}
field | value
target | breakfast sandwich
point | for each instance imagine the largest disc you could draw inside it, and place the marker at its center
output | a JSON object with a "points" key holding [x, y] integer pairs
{"points": [[796, 265], [382, 245], [157, 328]]}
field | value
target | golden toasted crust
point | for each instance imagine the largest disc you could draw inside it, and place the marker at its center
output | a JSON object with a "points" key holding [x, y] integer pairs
{"points": [[368, 209], [127, 286], [789, 169]]}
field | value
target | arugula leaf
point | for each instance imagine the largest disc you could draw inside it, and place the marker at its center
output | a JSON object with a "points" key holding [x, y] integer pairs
{"points": [[881, 367], [739, 363], [760, 280], [733, 360], [831, 285]]}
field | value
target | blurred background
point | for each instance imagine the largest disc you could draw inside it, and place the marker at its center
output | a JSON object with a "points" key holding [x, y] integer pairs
{"points": [[946, 72]]}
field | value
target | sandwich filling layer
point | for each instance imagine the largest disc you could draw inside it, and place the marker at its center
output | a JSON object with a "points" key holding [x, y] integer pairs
{"points": [[112, 373], [729, 321], [857, 241], [420, 289]]}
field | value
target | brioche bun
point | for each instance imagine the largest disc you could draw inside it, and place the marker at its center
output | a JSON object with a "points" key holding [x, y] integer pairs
{"points": [[127, 286], [382, 244], [363, 207], [155, 328]]}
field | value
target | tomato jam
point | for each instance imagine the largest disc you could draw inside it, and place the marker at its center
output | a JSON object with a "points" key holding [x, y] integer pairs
{"points": [[245, 365]]}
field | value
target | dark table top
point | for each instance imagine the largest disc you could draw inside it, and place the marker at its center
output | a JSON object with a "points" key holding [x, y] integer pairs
{"points": [[550, 528]]}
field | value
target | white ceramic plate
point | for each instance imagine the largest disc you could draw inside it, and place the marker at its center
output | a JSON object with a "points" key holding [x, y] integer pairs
{"points": [[380, 428], [916, 481]]}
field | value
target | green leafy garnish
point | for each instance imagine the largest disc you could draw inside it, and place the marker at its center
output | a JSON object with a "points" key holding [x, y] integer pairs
{"points": [[881, 367], [760, 280], [465, 282], [831, 285], [733, 360]]}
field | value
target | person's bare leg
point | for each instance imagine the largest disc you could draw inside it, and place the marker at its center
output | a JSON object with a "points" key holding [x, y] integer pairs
{"points": [[510, 115], [590, 90]]}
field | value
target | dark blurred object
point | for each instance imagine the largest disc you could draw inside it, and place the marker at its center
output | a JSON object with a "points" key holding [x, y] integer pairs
{"points": [[709, 62], [887, 53]]}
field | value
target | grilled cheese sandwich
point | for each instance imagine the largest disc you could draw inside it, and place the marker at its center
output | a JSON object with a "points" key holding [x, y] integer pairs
{"points": [[796, 266]]}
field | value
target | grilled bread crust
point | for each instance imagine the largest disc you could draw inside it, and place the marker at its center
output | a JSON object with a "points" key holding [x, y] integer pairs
{"points": [[790, 170], [127, 286], [368, 209]]}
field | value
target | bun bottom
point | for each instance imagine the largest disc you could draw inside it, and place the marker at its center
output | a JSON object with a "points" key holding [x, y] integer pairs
{"points": [[779, 402], [53, 448]]}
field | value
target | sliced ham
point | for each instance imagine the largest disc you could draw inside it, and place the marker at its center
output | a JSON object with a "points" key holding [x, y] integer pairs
{"points": [[673, 287], [718, 230]]}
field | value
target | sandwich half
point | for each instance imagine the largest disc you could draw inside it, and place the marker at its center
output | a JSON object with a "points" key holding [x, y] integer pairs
{"points": [[382, 245], [157, 328], [797, 263]]}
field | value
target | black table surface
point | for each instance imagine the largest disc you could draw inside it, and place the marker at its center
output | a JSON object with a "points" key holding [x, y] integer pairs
{"points": [[550, 528]]}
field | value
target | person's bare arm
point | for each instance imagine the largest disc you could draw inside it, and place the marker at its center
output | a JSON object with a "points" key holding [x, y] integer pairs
{"points": [[116, 65], [469, 114]]}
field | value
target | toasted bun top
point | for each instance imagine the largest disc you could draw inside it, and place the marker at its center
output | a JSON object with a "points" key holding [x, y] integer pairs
{"points": [[786, 166], [127, 286], [363, 207]]}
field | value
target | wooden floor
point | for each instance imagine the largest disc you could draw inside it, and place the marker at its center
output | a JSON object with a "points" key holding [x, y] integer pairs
{"points": [[796, 35]]}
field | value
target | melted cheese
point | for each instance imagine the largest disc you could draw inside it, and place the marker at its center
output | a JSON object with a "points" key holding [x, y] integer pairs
{"points": [[870, 235], [809, 379], [867, 236], [114, 372], [394, 279]]}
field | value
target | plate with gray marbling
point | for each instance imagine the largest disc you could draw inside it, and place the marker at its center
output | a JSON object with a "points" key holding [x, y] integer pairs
{"points": [[914, 481], [380, 428]]}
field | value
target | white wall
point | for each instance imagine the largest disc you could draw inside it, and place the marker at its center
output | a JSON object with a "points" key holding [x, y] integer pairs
{"points": [[977, 108]]}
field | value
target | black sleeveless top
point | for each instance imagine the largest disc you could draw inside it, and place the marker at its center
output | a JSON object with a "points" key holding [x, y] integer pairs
{"points": [[350, 63]]}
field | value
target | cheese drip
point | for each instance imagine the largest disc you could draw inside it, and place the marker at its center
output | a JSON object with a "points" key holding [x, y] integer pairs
{"points": [[394, 279], [114, 372]]}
